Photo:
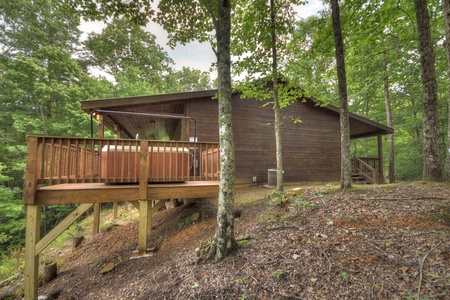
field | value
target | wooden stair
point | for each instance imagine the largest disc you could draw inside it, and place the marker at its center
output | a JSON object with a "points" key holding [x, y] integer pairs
{"points": [[358, 178]]}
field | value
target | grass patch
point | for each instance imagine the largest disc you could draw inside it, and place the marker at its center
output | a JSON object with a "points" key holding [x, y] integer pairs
{"points": [[11, 264]]}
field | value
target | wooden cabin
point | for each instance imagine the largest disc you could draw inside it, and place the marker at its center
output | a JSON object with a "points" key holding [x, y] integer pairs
{"points": [[167, 147], [311, 149]]}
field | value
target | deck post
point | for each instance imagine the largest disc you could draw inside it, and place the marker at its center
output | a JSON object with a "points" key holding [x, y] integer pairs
{"points": [[31, 170], [115, 210], [97, 206], [145, 223], [119, 135], [380, 160], [32, 236], [145, 215]]}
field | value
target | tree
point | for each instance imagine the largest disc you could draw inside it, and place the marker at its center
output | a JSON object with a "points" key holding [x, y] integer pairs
{"points": [[138, 64], [446, 10], [261, 32], [197, 20], [224, 240], [375, 31], [387, 101], [41, 86], [38, 77], [432, 170], [123, 47], [276, 103], [188, 79], [346, 173], [12, 223]]}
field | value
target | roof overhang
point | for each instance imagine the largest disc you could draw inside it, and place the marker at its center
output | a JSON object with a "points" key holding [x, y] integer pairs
{"points": [[360, 127]]}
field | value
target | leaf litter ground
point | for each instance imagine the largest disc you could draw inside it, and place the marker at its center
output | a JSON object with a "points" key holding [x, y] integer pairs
{"points": [[374, 242]]}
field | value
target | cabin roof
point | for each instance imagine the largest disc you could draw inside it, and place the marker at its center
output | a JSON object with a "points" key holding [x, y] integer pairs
{"points": [[359, 126]]}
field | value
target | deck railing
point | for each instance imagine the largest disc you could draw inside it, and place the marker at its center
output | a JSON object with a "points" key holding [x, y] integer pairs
{"points": [[55, 160], [367, 167]]}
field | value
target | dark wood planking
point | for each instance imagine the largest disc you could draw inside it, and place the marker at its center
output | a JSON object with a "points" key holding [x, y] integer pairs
{"points": [[254, 139]]}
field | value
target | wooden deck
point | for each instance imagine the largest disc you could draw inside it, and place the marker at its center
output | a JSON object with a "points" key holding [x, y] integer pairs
{"points": [[100, 192], [88, 171]]}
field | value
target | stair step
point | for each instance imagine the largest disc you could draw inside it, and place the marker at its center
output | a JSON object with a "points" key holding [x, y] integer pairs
{"points": [[360, 179]]}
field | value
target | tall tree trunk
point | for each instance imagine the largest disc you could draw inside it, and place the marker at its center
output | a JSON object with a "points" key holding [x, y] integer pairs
{"points": [[432, 170], [446, 8], [346, 166], [276, 103], [224, 241], [387, 101]]}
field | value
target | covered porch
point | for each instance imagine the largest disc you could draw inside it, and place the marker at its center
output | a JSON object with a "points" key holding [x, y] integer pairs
{"points": [[368, 170]]}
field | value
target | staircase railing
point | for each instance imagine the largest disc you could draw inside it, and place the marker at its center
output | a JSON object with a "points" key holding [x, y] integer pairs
{"points": [[367, 167]]}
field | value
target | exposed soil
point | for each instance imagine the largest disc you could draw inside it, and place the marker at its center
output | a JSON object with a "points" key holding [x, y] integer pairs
{"points": [[377, 242]]}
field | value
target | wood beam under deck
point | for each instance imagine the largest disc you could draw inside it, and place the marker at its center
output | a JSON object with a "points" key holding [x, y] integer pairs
{"points": [[100, 192]]}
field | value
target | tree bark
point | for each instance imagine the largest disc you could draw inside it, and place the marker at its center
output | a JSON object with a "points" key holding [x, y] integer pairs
{"points": [[446, 9], [432, 170], [224, 241], [346, 168], [387, 101], [276, 103]]}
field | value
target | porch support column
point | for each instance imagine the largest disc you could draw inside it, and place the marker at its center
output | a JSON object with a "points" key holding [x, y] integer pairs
{"points": [[380, 159], [118, 133], [145, 214], [32, 236], [97, 206]]}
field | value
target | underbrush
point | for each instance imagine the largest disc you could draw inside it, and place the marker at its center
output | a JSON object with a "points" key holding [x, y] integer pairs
{"points": [[13, 263]]}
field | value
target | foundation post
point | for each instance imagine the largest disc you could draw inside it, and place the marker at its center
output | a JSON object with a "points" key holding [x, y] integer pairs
{"points": [[145, 215], [32, 236], [97, 206]]}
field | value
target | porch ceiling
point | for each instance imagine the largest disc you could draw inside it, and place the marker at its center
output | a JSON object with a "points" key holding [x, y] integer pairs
{"points": [[165, 104]]}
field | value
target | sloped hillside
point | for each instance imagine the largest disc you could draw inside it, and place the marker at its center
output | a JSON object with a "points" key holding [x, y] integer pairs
{"points": [[376, 242]]}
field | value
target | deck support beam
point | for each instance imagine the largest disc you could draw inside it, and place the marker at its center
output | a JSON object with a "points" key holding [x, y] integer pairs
{"points": [[97, 206], [145, 213], [32, 236], [380, 160], [63, 225], [34, 245], [145, 224]]}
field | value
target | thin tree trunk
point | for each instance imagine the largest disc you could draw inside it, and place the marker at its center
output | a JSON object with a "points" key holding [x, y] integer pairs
{"points": [[446, 9], [346, 168], [276, 104], [387, 101], [224, 241], [432, 170]]}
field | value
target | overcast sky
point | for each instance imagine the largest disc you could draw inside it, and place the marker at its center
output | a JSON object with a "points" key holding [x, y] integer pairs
{"points": [[195, 55]]}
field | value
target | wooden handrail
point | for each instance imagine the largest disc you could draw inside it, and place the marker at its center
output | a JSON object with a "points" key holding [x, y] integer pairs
{"points": [[56, 160], [368, 171]]}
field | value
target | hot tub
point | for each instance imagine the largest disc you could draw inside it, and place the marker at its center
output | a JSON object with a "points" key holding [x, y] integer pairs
{"points": [[165, 164]]}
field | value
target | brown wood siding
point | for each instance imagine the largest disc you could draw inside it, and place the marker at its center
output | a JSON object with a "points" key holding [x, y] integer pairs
{"points": [[311, 149]]}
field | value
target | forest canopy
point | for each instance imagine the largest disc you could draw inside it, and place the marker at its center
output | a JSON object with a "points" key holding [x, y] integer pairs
{"points": [[45, 71]]}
